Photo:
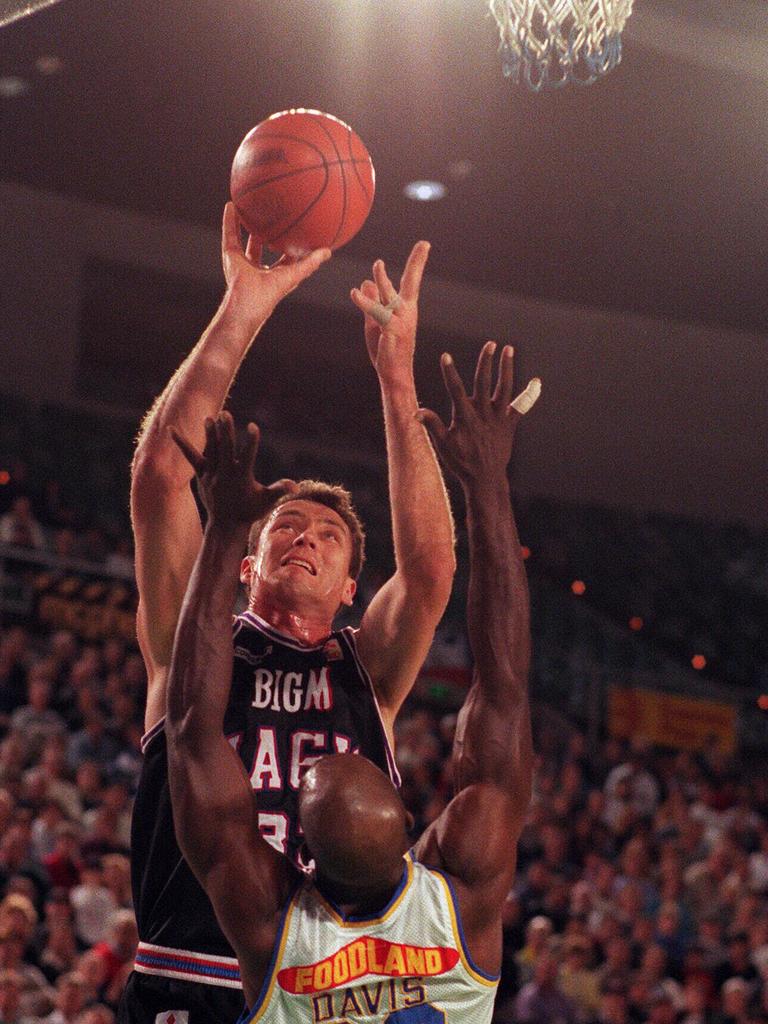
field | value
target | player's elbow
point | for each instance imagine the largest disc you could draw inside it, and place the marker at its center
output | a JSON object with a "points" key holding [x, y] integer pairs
{"points": [[157, 469], [430, 578]]}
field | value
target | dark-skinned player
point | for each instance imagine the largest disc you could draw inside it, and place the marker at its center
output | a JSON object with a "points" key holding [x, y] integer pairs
{"points": [[375, 934]]}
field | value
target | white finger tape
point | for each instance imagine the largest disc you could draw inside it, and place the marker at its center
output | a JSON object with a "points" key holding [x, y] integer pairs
{"points": [[527, 399], [381, 314]]}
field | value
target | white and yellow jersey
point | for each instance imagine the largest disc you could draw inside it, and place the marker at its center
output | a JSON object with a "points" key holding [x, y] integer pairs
{"points": [[409, 965]]}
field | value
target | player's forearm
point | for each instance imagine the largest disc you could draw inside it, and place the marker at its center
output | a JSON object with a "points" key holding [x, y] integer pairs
{"points": [[198, 389], [201, 664], [493, 736], [422, 524], [498, 606]]}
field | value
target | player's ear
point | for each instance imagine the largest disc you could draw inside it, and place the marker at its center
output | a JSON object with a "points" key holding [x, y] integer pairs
{"points": [[348, 594], [410, 822], [246, 571]]}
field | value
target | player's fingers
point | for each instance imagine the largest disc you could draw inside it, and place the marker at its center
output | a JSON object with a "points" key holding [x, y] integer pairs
{"points": [[369, 290], [211, 438], [225, 427], [371, 307], [387, 291], [250, 447], [410, 282], [482, 391], [253, 250], [434, 425], [453, 383], [302, 268], [526, 400], [281, 487], [188, 450], [230, 231], [503, 394]]}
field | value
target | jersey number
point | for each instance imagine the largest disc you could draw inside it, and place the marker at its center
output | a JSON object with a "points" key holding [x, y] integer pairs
{"points": [[424, 1013]]}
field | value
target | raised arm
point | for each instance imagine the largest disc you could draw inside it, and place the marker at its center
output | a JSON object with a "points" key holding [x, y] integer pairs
{"points": [[165, 521], [475, 837], [214, 807], [399, 624]]}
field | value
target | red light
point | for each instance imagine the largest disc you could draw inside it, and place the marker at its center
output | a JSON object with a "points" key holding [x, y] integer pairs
{"points": [[698, 661], [762, 701], [5, 477], [636, 623], [525, 552], [578, 587]]}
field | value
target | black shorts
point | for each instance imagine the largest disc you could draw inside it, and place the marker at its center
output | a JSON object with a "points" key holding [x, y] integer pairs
{"points": [[147, 995]]}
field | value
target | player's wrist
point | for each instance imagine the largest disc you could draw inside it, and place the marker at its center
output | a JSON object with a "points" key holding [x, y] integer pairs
{"points": [[244, 313]]}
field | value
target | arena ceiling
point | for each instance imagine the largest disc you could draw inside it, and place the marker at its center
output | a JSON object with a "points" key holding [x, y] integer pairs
{"points": [[645, 192]]}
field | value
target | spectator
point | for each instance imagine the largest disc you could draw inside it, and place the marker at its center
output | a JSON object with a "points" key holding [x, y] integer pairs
{"points": [[70, 999], [119, 948], [540, 1001], [92, 743], [11, 986], [93, 904], [577, 980], [36, 719], [64, 865], [537, 938], [18, 526], [60, 951], [59, 788], [735, 995], [116, 869], [35, 993]]}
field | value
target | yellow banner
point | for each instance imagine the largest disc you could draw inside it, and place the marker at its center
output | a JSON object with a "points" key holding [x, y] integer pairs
{"points": [[685, 723]]}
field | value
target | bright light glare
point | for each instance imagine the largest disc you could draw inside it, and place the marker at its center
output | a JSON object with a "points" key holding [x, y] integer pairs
{"points": [[425, 191]]}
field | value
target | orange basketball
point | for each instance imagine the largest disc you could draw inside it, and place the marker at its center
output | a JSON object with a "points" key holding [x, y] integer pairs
{"points": [[302, 180]]}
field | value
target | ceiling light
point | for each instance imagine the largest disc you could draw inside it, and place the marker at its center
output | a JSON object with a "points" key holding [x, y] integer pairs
{"points": [[425, 191], [49, 64], [12, 86]]}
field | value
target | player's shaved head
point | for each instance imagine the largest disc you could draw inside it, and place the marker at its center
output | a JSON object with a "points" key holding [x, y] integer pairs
{"points": [[354, 822]]}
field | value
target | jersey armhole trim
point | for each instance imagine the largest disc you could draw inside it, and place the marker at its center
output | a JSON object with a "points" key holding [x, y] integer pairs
{"points": [[281, 938], [148, 736], [489, 980], [348, 634]]}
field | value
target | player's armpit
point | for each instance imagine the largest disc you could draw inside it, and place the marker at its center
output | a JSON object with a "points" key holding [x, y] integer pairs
{"points": [[475, 839], [396, 633]]}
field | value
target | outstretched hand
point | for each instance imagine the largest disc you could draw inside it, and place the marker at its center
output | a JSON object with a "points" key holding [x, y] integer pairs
{"points": [[481, 435], [256, 288], [391, 316], [224, 471]]}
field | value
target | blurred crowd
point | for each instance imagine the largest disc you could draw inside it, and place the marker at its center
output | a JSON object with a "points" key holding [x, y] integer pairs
{"points": [[642, 884], [71, 723]]}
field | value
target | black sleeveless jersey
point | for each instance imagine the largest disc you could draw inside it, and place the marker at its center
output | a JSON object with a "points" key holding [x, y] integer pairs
{"points": [[288, 706]]}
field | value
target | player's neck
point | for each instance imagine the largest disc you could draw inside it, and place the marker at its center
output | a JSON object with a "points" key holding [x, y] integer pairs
{"points": [[355, 902], [306, 626]]}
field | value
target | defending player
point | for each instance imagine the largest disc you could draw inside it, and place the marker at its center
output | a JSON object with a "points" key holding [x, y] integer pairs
{"points": [[299, 690], [373, 935]]}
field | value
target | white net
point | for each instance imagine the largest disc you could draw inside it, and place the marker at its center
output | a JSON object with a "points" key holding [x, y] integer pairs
{"points": [[547, 43]]}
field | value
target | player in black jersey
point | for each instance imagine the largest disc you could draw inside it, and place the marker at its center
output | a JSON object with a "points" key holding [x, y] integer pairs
{"points": [[299, 688]]}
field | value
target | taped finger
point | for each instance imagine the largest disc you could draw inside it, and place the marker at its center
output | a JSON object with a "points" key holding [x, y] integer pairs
{"points": [[527, 399]]}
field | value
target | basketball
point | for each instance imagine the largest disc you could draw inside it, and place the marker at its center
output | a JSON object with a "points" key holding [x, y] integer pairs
{"points": [[302, 180]]}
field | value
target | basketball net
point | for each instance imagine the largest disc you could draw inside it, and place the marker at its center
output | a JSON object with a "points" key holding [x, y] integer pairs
{"points": [[548, 43]]}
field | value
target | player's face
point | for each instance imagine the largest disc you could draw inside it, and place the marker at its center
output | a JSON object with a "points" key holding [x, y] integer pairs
{"points": [[303, 557]]}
